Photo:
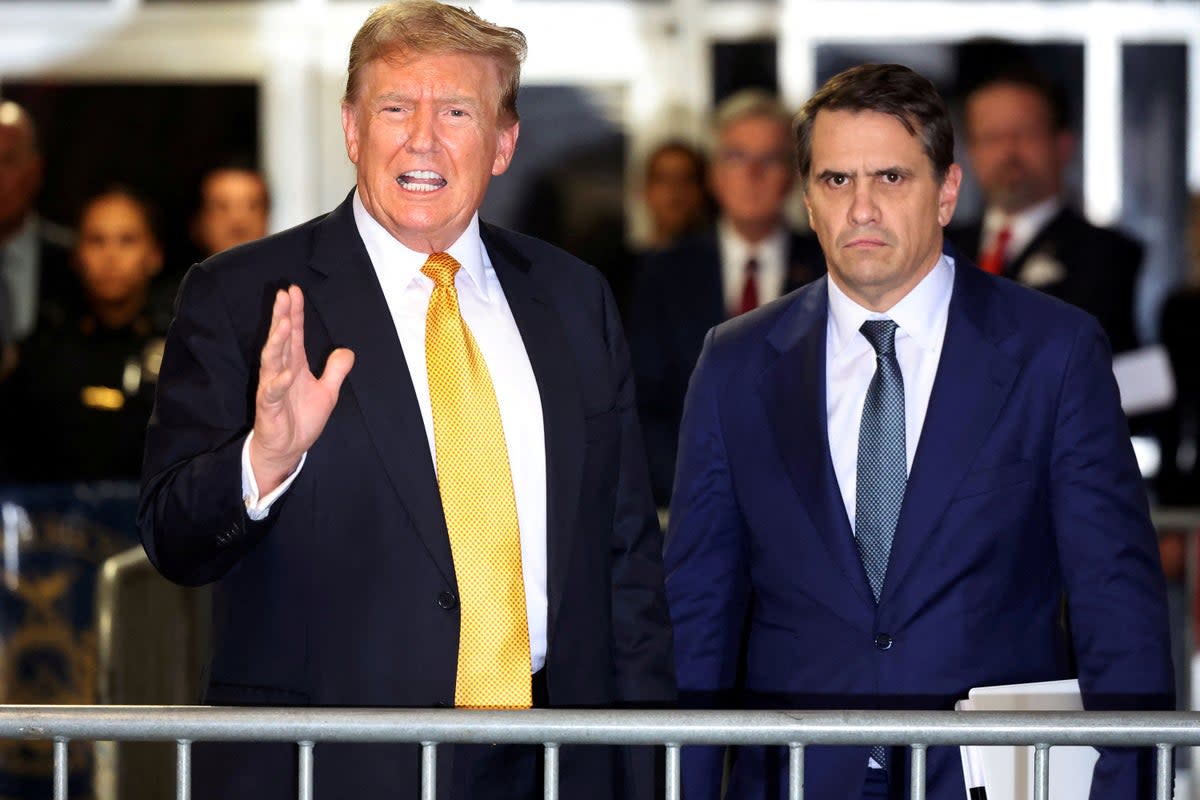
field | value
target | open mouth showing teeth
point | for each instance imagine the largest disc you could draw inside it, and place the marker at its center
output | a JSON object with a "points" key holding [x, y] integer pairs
{"points": [[421, 180]]}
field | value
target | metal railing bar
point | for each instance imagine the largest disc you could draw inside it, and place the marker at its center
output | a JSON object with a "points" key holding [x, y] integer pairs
{"points": [[674, 790], [1041, 772], [305, 791], [183, 770], [429, 770], [917, 772], [1164, 774], [550, 773], [60, 768], [683, 727], [795, 771]]}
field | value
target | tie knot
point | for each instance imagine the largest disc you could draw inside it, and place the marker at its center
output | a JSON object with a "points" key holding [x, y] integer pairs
{"points": [[752, 265], [881, 333], [441, 269]]}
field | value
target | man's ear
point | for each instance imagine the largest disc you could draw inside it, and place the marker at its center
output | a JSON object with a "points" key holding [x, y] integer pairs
{"points": [[948, 194], [1064, 147], [506, 146], [350, 131]]}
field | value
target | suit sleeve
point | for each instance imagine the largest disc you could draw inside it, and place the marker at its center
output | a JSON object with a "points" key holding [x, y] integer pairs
{"points": [[1109, 556], [191, 516], [707, 574], [658, 397], [641, 626]]}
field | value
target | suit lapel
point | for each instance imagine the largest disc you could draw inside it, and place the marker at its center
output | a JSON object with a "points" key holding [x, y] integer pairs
{"points": [[973, 381], [351, 304], [562, 407], [793, 390]]}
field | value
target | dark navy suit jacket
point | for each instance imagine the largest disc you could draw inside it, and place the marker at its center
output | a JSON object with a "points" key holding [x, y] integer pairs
{"points": [[345, 595], [1023, 490]]}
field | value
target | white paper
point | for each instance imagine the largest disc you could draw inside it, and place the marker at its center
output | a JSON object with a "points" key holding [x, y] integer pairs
{"points": [[1008, 771], [1145, 379]]}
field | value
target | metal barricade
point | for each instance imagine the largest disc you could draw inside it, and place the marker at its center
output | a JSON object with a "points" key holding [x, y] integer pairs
{"points": [[308, 727]]}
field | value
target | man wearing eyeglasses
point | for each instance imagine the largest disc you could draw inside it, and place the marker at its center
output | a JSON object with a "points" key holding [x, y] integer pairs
{"points": [[749, 258]]}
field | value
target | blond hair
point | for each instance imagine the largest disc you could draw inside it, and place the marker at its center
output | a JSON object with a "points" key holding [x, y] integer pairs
{"points": [[427, 26]]}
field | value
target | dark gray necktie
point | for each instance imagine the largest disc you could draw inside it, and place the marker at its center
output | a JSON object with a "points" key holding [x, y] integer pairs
{"points": [[882, 463]]}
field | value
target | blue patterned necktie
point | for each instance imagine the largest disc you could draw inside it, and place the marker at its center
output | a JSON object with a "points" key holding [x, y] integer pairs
{"points": [[882, 464]]}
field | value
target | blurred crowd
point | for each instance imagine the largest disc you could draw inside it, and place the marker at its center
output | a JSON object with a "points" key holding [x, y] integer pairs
{"points": [[83, 309]]}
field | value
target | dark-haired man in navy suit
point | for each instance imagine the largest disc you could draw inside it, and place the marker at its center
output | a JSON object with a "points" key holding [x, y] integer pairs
{"points": [[889, 480], [457, 511]]}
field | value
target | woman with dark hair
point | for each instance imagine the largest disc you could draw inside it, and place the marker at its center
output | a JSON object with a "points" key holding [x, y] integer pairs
{"points": [[84, 388]]}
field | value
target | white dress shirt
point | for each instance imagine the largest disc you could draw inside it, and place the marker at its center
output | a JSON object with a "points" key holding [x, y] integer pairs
{"points": [[486, 312], [1023, 226], [772, 255], [920, 317]]}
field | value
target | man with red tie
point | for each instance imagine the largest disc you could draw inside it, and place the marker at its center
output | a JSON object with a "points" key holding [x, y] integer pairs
{"points": [[749, 258], [1020, 144]]}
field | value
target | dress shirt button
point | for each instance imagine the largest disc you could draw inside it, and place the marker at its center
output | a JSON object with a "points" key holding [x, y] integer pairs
{"points": [[447, 600], [883, 641]]}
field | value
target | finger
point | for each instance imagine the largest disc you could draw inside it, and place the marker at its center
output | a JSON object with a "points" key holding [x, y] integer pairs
{"points": [[337, 366], [278, 334], [297, 358], [273, 376]]}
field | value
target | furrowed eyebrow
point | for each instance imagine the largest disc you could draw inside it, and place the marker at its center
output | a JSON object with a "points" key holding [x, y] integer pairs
{"points": [[907, 173], [825, 174]]}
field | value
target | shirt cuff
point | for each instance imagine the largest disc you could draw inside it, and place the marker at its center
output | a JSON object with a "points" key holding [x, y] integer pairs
{"points": [[257, 507]]}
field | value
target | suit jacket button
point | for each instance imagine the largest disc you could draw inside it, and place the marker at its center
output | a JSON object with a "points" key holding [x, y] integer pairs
{"points": [[447, 600], [883, 641]]}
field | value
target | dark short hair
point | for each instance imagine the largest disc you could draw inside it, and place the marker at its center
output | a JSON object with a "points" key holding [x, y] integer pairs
{"points": [[891, 89], [233, 163], [692, 153], [131, 195], [1027, 77]]}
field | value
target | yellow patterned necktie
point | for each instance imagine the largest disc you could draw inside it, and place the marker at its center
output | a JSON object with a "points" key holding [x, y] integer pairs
{"points": [[481, 510]]}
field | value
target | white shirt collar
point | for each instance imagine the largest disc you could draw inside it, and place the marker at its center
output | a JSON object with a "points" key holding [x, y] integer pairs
{"points": [[388, 253], [1023, 225], [915, 314], [736, 250]]}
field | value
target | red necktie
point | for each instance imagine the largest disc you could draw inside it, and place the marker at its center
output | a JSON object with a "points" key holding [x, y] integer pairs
{"points": [[750, 287], [993, 260]]}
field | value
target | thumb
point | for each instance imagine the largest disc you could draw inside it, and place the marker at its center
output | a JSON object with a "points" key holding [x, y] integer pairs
{"points": [[337, 366]]}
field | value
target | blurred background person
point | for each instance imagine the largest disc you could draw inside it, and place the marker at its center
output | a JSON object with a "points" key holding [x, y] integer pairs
{"points": [[234, 207], [1019, 144], [84, 388], [749, 257], [34, 253], [676, 193], [1178, 481]]}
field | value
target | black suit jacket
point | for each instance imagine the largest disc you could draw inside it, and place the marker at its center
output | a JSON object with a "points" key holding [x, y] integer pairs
{"points": [[345, 595], [678, 298], [1097, 269]]}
